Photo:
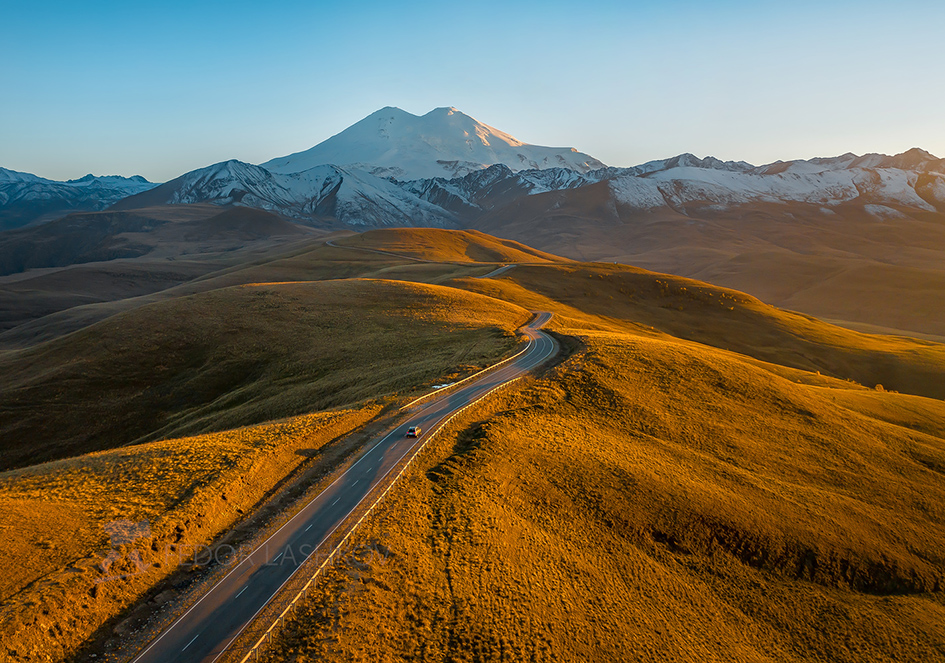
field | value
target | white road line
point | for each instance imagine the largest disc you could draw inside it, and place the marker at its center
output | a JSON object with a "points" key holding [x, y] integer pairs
{"points": [[336, 501], [309, 527], [191, 642], [355, 482], [241, 591]]}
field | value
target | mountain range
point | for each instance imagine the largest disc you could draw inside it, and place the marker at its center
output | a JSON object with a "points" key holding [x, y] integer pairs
{"points": [[857, 239], [446, 169], [27, 198]]}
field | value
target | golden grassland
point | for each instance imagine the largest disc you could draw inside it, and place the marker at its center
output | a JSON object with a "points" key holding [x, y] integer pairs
{"points": [[238, 356], [269, 349], [607, 296], [189, 490], [705, 478], [654, 499], [448, 245]]}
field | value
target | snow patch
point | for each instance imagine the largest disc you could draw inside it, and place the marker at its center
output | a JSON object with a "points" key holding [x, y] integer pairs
{"points": [[637, 192], [883, 212]]}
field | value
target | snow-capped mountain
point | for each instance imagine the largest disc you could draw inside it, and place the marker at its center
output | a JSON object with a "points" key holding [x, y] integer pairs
{"points": [[913, 180], [25, 197], [443, 143], [325, 193], [446, 169], [683, 184]]}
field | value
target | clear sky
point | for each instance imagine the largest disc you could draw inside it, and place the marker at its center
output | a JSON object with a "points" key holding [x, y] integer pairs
{"points": [[161, 88]]}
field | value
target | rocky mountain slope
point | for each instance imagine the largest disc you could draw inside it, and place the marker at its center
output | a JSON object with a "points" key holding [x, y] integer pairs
{"points": [[327, 193], [25, 198]]}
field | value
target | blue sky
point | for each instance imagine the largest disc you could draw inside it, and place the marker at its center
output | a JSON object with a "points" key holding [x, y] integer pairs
{"points": [[158, 89]]}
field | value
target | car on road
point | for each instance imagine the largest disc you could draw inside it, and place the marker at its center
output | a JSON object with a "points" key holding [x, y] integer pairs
{"points": [[413, 431]]}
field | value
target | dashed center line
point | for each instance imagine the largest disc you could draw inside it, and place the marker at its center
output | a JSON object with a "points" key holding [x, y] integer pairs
{"points": [[308, 528], [191, 642], [241, 591]]}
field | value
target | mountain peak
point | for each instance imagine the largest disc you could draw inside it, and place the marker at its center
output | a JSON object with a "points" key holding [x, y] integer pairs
{"points": [[444, 142]]}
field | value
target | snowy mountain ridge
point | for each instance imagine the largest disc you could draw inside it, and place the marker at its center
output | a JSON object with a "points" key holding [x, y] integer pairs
{"points": [[446, 169], [683, 184], [25, 197], [324, 192]]}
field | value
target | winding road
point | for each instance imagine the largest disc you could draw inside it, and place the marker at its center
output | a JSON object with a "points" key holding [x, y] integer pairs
{"points": [[205, 631]]}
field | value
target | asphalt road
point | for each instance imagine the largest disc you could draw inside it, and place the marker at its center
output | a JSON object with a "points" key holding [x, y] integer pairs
{"points": [[204, 631], [500, 270]]}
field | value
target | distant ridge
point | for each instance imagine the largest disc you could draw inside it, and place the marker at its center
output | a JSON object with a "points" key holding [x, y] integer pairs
{"points": [[26, 198]]}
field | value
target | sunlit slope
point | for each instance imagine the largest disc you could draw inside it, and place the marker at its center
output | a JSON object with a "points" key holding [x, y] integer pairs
{"points": [[240, 355], [655, 499], [615, 296], [51, 305], [448, 246], [186, 489], [855, 262]]}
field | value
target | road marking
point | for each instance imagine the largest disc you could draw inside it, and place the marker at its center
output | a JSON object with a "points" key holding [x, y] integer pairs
{"points": [[276, 558], [191, 642], [309, 527], [336, 501], [241, 591], [355, 482]]}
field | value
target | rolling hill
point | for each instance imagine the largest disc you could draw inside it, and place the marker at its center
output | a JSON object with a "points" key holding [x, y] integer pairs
{"points": [[703, 475], [237, 356]]}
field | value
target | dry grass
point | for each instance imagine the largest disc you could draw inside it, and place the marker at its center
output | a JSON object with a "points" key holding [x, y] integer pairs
{"points": [[618, 297], [448, 246], [655, 500], [211, 360], [189, 491], [238, 356], [706, 479]]}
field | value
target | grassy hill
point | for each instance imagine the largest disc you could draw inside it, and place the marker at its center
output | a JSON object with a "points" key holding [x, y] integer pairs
{"points": [[705, 477], [654, 499], [619, 297], [447, 246], [843, 263], [240, 355]]}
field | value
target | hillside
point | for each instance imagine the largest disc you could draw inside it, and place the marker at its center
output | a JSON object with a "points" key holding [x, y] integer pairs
{"points": [[113, 235], [870, 260], [611, 296], [447, 246], [237, 356], [653, 500], [702, 477], [187, 488]]}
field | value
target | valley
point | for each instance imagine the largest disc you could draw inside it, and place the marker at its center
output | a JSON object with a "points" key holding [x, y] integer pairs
{"points": [[700, 471]]}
